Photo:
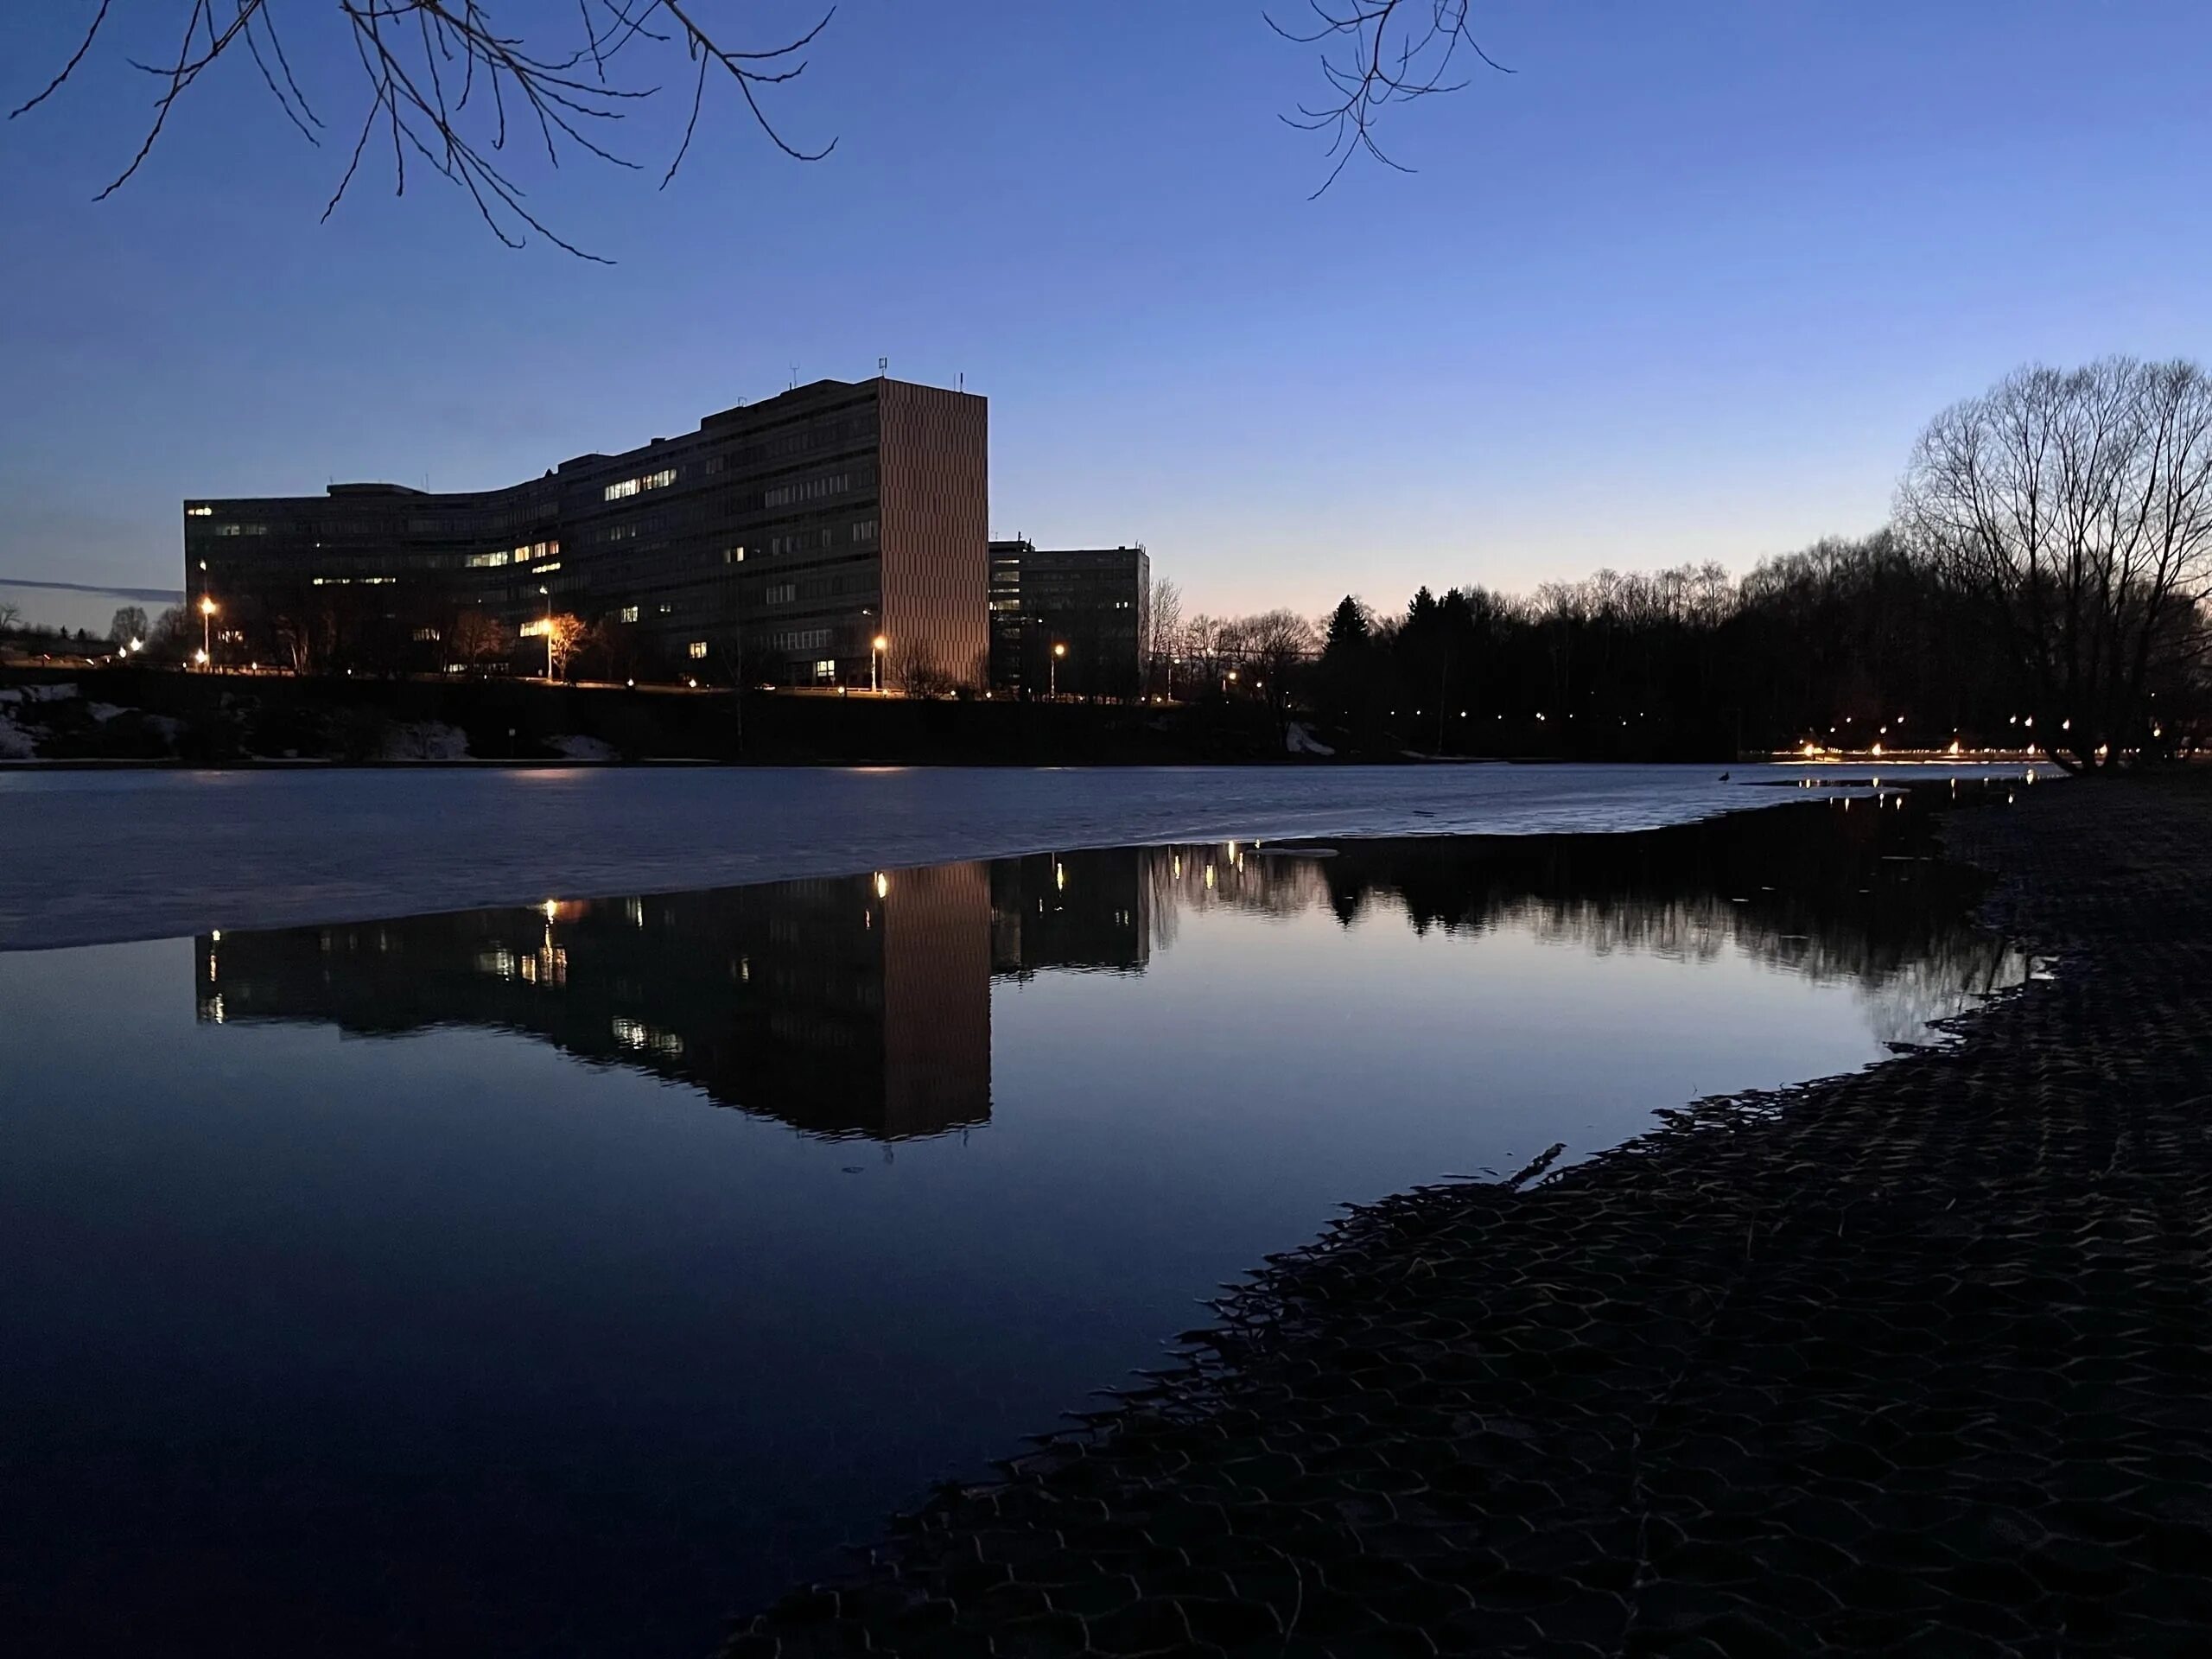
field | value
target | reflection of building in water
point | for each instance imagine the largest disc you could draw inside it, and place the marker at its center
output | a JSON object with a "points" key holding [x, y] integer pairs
{"points": [[862, 1005], [853, 1006], [1087, 912]]}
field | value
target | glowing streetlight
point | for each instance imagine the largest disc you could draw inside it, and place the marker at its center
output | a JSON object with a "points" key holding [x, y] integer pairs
{"points": [[875, 649], [1053, 671], [207, 626], [548, 594]]}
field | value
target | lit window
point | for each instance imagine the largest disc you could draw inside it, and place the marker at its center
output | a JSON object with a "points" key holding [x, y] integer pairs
{"points": [[732, 556], [629, 613], [864, 531], [427, 636], [825, 670], [484, 561], [667, 607], [698, 649], [779, 593], [630, 487], [199, 512]]}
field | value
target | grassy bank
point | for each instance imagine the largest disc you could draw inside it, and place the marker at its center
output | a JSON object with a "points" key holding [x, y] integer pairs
{"points": [[149, 714], [136, 715]]}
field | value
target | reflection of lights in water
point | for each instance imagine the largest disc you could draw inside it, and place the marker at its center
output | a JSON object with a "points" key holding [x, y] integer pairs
{"points": [[633, 1033]]}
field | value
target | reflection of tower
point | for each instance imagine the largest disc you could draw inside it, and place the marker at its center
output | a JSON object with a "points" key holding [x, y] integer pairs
{"points": [[937, 999], [1087, 911], [857, 1005]]}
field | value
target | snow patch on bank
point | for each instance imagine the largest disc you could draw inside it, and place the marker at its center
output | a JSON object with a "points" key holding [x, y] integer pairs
{"points": [[577, 748], [424, 740]]}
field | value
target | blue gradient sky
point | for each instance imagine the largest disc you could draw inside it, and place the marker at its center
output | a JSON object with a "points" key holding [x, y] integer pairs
{"points": [[1685, 286]]}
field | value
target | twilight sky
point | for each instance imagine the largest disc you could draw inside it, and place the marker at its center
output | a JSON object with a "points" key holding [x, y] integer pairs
{"points": [[1685, 286]]}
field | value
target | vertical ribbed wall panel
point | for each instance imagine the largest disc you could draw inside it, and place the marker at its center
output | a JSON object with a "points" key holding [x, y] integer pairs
{"points": [[935, 529]]}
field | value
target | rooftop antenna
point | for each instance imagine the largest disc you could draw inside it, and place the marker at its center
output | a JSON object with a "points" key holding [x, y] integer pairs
{"points": [[883, 365], [963, 379], [794, 384]]}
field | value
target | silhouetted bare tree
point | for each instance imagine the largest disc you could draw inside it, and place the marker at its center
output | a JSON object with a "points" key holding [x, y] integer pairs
{"points": [[2077, 504], [477, 637], [1276, 645], [1163, 634]]}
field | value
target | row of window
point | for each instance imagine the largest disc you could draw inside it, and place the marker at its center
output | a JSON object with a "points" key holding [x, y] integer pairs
{"points": [[798, 541], [824, 586], [800, 639], [628, 486], [821, 434], [807, 489], [519, 555]]}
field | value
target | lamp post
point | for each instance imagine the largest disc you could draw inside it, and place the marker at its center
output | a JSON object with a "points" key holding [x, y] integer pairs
{"points": [[1053, 674], [206, 631], [876, 647], [548, 592]]}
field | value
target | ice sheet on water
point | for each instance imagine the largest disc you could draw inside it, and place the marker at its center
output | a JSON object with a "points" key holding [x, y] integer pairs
{"points": [[108, 855]]}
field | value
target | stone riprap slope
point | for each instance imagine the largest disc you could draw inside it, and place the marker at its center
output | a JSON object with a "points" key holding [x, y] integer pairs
{"points": [[1916, 1360]]}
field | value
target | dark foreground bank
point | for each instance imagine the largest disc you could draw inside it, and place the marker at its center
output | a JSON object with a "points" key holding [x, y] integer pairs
{"points": [[1913, 1360]]}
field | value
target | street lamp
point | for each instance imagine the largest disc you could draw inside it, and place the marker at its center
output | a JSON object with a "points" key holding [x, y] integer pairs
{"points": [[876, 664], [206, 629], [1053, 672], [548, 594]]}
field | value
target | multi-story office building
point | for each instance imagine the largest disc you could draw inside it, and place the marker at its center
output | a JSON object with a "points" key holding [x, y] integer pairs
{"points": [[1075, 618], [775, 544]]}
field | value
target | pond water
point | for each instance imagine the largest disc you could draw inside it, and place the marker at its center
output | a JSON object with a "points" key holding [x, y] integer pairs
{"points": [[566, 1278]]}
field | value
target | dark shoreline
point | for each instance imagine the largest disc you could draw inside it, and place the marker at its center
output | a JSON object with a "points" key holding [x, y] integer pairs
{"points": [[1916, 1358]]}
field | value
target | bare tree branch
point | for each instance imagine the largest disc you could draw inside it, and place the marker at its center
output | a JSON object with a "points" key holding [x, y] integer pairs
{"points": [[421, 63], [1376, 54]]}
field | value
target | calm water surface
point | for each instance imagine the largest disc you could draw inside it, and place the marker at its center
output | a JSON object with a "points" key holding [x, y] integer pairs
{"points": [[564, 1280]]}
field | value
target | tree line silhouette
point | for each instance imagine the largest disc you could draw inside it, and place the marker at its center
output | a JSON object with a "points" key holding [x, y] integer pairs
{"points": [[2047, 583]]}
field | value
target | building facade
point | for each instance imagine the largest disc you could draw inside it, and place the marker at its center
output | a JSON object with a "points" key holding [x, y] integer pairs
{"points": [[774, 544], [1074, 620]]}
